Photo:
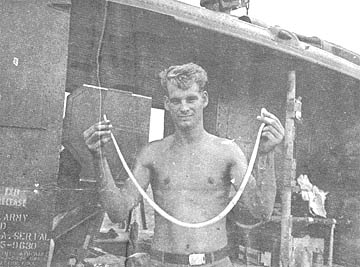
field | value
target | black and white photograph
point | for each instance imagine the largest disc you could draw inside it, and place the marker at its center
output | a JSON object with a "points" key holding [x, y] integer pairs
{"points": [[179, 133]]}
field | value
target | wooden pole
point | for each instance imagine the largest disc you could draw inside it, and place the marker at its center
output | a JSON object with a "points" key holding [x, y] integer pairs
{"points": [[289, 173], [143, 214], [331, 245]]}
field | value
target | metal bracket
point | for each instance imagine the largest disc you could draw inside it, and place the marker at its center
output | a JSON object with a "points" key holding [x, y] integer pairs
{"points": [[297, 108], [294, 107]]}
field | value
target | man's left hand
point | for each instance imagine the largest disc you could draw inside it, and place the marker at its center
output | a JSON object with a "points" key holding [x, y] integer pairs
{"points": [[273, 132]]}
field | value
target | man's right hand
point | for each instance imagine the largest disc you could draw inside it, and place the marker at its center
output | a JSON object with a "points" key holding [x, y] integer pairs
{"points": [[97, 136]]}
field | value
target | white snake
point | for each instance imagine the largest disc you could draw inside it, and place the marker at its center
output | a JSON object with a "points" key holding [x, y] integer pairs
{"points": [[172, 219]]}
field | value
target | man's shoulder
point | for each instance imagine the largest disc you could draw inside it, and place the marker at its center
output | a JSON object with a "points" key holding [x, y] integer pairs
{"points": [[220, 142], [161, 144], [227, 146], [157, 147]]}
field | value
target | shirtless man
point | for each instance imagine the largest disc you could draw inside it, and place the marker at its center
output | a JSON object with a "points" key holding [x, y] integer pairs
{"points": [[191, 173]]}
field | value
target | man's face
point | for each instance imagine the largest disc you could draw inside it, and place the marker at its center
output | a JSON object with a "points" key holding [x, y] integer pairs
{"points": [[186, 106]]}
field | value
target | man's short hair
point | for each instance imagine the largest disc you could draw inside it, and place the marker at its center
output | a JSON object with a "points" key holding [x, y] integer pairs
{"points": [[184, 76]]}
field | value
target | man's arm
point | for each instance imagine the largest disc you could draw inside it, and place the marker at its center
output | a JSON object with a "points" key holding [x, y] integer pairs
{"points": [[117, 201], [259, 194]]}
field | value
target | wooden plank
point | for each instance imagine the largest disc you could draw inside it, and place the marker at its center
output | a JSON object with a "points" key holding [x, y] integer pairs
{"points": [[289, 174]]}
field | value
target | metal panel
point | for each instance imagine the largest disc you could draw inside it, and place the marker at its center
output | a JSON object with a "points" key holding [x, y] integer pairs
{"points": [[22, 99], [130, 116], [32, 85], [31, 128], [85, 31], [242, 31]]}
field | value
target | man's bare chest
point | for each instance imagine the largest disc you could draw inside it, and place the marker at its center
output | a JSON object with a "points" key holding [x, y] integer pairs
{"points": [[191, 170]]}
